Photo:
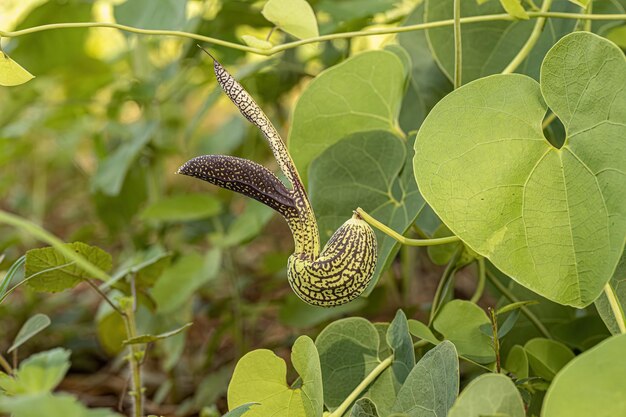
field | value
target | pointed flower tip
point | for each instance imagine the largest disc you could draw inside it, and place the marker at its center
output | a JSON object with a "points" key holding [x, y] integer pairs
{"points": [[206, 52], [181, 169]]}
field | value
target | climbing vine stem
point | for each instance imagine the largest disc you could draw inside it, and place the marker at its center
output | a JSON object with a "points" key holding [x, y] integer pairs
{"points": [[458, 46], [290, 45], [589, 11], [532, 39], [480, 285], [404, 240]]}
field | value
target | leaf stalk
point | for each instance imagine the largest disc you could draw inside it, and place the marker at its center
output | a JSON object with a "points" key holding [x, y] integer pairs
{"points": [[354, 395], [404, 240]]}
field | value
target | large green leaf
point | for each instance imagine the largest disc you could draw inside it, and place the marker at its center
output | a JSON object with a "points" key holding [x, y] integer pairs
{"points": [[50, 405], [348, 353], [394, 339], [33, 325], [183, 207], [551, 314], [552, 219], [459, 321], [427, 83], [399, 339], [582, 333], [179, 282], [489, 395], [295, 17], [592, 384], [112, 171], [246, 226], [369, 170], [260, 376], [488, 47], [364, 407], [239, 411], [12, 73], [517, 362], [60, 51], [603, 27], [360, 94], [50, 271], [40, 373], [152, 14], [432, 385], [110, 329], [546, 357]]}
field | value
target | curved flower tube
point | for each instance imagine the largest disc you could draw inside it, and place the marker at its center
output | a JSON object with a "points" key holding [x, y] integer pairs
{"points": [[344, 268]]}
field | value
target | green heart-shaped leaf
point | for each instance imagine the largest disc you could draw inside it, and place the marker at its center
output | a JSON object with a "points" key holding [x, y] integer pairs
{"points": [[261, 377], [362, 93], [553, 219], [459, 321], [12, 73], [295, 17], [590, 385], [432, 385], [342, 178], [489, 395]]}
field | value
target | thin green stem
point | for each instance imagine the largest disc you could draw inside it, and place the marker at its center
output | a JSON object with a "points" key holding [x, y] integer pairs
{"points": [[512, 298], [532, 40], [548, 120], [496, 339], [480, 285], [134, 359], [408, 266], [458, 47], [105, 297], [130, 29], [8, 277], [290, 45], [588, 11], [361, 387], [5, 365], [45, 236], [404, 240], [616, 308], [444, 282]]}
